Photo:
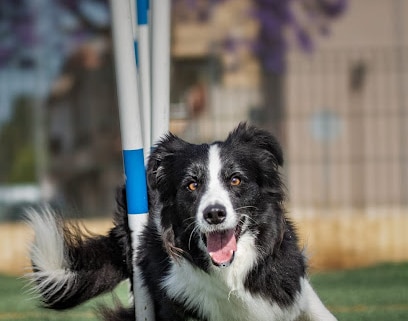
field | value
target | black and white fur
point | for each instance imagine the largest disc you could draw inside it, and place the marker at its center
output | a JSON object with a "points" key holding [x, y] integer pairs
{"points": [[229, 194]]}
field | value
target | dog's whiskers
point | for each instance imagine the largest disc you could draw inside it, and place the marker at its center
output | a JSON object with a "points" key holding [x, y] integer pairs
{"points": [[189, 225], [246, 207], [191, 236], [249, 218], [192, 219]]}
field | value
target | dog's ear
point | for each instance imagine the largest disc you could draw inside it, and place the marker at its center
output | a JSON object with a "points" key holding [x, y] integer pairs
{"points": [[160, 155], [259, 138]]}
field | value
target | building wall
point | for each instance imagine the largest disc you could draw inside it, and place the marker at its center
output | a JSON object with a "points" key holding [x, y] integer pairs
{"points": [[347, 111]]}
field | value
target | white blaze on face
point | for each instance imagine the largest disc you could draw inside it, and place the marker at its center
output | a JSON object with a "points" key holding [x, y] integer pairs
{"points": [[215, 194], [221, 242]]}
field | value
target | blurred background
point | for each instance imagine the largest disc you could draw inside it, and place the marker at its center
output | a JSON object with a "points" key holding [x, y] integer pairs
{"points": [[328, 77]]}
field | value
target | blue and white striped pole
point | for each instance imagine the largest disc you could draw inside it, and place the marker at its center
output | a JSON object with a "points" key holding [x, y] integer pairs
{"points": [[160, 67], [144, 67], [132, 142]]}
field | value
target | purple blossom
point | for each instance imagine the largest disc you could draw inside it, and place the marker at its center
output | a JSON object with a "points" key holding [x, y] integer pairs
{"points": [[275, 15], [20, 21]]}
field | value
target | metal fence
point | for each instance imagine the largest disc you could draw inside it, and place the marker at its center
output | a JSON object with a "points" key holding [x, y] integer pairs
{"points": [[346, 120], [345, 126]]}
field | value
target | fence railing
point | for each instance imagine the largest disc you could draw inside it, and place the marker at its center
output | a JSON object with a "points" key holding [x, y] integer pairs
{"points": [[347, 120]]}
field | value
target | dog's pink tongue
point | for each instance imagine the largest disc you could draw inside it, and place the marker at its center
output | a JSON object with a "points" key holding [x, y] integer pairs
{"points": [[221, 246]]}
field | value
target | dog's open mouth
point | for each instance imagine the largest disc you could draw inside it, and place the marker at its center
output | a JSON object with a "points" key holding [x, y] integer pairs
{"points": [[222, 245]]}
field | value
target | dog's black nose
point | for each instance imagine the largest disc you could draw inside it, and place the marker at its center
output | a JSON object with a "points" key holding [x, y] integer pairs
{"points": [[215, 214]]}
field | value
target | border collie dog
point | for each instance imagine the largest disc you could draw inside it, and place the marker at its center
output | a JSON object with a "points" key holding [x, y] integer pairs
{"points": [[217, 245]]}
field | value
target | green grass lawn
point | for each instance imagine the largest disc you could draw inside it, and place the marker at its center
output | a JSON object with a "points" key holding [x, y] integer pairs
{"points": [[17, 304], [377, 293]]}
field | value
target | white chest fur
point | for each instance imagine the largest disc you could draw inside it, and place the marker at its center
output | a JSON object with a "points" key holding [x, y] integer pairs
{"points": [[220, 294]]}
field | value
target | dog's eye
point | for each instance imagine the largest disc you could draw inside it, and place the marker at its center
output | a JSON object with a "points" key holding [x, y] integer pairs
{"points": [[235, 181], [192, 186]]}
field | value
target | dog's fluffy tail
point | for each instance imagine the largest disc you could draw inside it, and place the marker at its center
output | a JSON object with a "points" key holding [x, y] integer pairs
{"points": [[70, 268], [118, 313]]}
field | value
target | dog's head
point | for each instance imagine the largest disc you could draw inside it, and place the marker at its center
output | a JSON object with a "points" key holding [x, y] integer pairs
{"points": [[206, 197]]}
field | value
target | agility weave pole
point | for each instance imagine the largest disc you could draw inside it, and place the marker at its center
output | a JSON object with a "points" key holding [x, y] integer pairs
{"points": [[131, 42], [142, 52], [161, 23]]}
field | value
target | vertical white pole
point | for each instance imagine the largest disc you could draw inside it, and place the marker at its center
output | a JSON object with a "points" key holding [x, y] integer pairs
{"points": [[132, 142], [133, 14], [160, 67], [144, 68]]}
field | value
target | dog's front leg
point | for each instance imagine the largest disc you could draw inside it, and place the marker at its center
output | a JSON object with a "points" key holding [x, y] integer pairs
{"points": [[314, 308]]}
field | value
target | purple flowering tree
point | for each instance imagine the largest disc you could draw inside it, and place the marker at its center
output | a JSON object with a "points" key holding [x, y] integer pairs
{"points": [[71, 22], [36, 38], [54, 26]]}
